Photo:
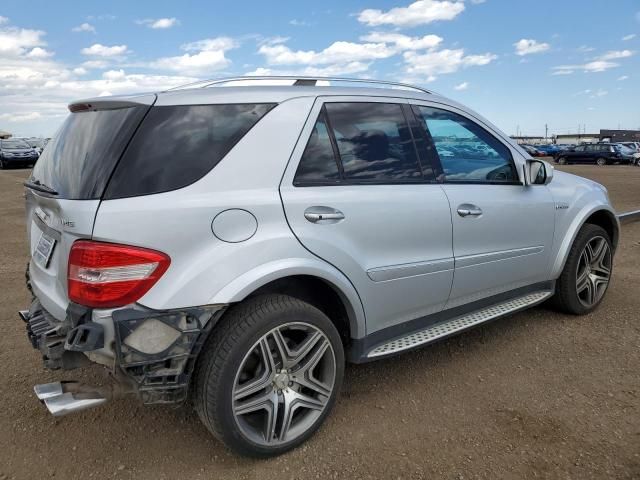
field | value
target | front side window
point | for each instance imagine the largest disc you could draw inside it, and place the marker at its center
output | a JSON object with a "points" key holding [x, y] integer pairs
{"points": [[374, 142], [467, 152]]}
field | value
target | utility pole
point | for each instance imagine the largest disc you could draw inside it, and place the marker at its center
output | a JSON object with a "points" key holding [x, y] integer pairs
{"points": [[546, 132]]}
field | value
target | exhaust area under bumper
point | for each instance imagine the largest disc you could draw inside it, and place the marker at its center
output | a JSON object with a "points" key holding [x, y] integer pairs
{"points": [[62, 398]]}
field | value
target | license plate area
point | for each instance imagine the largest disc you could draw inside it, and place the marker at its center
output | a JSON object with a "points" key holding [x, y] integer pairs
{"points": [[44, 250]]}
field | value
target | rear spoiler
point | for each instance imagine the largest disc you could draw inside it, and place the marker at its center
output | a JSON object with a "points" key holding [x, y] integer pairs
{"points": [[112, 103]]}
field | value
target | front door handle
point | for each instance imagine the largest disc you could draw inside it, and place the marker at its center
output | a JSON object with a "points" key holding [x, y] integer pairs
{"points": [[468, 209], [323, 215]]}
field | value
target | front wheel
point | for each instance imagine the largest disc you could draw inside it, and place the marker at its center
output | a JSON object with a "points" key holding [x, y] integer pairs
{"points": [[587, 272], [3, 164], [270, 375]]}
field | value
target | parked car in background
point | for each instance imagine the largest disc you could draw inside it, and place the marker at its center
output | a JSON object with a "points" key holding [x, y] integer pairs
{"points": [[16, 152], [533, 151], [37, 143], [232, 247], [596, 153], [549, 150]]}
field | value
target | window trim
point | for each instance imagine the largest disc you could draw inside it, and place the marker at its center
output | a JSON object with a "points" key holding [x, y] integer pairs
{"points": [[436, 157]]}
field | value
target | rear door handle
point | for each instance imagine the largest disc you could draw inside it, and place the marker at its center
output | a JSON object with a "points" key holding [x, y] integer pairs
{"points": [[469, 210], [323, 215]]}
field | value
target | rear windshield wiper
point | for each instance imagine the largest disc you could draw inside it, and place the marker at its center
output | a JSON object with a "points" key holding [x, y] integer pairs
{"points": [[40, 187]]}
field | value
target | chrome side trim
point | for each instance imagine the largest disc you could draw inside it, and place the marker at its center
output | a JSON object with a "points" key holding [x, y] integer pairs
{"points": [[480, 258], [394, 272], [443, 329]]}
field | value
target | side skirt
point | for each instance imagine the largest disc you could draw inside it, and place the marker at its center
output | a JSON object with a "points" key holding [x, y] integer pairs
{"points": [[425, 330]]}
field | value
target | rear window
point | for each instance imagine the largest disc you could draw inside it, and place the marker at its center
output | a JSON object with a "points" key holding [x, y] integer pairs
{"points": [[177, 145], [77, 163]]}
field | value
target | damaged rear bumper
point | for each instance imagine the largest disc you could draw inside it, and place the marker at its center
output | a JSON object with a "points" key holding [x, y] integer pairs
{"points": [[152, 352]]}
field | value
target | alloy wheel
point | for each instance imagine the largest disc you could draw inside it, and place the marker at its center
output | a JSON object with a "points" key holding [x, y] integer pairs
{"points": [[601, 161], [594, 271], [284, 383]]}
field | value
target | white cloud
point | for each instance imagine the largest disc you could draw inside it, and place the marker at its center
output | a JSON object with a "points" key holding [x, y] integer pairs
{"points": [[17, 41], [527, 46], [585, 49], [403, 42], [114, 75], [337, 52], [444, 61], [3, 20], [159, 23], [420, 12], [349, 68], [299, 23], [615, 54], [478, 2], [38, 52], [461, 86], [84, 27], [95, 64], [599, 93], [601, 63], [623, 78], [210, 55], [631, 36], [80, 71], [99, 50], [20, 117]]}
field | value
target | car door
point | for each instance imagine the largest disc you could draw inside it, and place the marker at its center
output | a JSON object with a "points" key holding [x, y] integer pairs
{"points": [[502, 230], [581, 155], [356, 195]]}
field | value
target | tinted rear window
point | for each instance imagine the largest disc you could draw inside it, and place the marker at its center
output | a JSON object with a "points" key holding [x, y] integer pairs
{"points": [[177, 145], [78, 161]]}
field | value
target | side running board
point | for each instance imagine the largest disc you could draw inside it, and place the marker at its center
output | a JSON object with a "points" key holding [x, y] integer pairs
{"points": [[449, 327]]}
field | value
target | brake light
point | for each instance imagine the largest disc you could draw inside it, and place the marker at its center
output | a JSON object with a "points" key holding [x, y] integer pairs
{"points": [[107, 275]]}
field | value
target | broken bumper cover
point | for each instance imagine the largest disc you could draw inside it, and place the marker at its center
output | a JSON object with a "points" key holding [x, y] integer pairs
{"points": [[154, 351]]}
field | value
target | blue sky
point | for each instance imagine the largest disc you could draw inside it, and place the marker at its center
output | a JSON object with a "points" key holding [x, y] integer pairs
{"points": [[522, 64]]}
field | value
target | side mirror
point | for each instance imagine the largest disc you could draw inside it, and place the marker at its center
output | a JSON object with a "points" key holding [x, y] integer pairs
{"points": [[538, 172]]}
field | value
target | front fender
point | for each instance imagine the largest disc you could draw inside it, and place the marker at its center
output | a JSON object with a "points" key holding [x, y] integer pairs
{"points": [[572, 231], [247, 283]]}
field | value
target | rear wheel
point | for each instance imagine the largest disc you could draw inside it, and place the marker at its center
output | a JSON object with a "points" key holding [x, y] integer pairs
{"points": [[269, 376], [587, 272], [562, 160], [3, 164], [601, 162]]}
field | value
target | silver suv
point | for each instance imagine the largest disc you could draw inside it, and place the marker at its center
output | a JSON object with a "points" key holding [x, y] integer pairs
{"points": [[234, 243]]}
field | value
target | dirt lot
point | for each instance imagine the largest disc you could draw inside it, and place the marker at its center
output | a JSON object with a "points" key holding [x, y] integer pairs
{"points": [[536, 395]]}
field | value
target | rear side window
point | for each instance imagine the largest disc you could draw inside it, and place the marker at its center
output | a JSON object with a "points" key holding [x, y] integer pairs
{"points": [[467, 152], [177, 145], [374, 142], [318, 164], [78, 161]]}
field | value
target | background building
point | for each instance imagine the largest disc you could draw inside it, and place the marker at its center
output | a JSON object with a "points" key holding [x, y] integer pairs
{"points": [[4, 135], [620, 135], [577, 138]]}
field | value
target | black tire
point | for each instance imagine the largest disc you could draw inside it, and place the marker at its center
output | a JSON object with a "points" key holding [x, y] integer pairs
{"points": [[562, 161], [223, 355], [601, 162], [3, 165], [566, 297]]}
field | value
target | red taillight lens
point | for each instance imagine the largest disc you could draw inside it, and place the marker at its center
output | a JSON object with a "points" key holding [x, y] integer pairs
{"points": [[106, 275]]}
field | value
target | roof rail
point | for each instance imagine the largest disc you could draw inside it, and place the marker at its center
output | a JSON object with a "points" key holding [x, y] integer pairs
{"points": [[299, 81]]}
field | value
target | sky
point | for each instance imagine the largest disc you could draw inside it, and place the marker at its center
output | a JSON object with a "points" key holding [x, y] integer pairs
{"points": [[569, 64]]}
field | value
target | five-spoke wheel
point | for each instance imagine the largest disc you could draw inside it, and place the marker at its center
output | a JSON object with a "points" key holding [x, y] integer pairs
{"points": [[594, 271], [269, 375], [587, 271]]}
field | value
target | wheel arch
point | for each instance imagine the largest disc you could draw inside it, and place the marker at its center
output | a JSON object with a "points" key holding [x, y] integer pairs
{"points": [[601, 215], [309, 280]]}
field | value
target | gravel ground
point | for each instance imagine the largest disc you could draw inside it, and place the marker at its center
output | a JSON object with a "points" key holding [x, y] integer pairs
{"points": [[535, 395]]}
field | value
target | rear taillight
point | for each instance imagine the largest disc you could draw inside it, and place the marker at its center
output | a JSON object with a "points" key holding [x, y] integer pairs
{"points": [[106, 275]]}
